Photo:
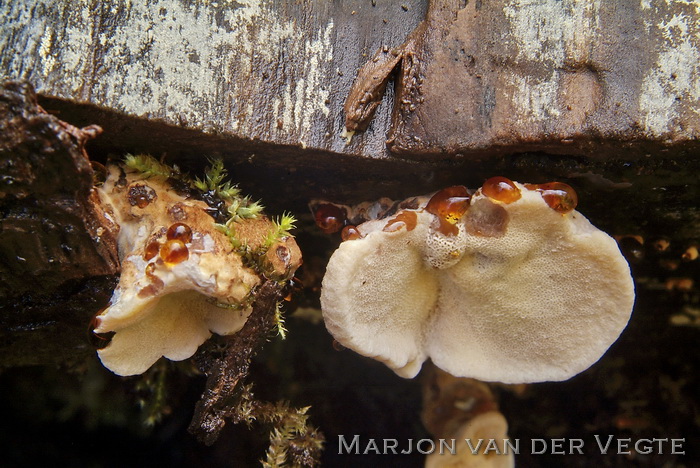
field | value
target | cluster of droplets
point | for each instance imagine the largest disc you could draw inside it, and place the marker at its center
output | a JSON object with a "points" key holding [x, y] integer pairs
{"points": [[174, 249], [670, 264], [449, 206], [171, 252]]}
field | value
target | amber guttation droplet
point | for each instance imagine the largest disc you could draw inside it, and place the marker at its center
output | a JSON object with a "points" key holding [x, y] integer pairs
{"points": [[501, 189], [179, 231], [174, 251], [151, 250], [559, 196], [156, 283], [661, 245], [449, 205], [330, 218], [407, 219], [141, 195], [150, 270], [350, 233], [337, 346]]}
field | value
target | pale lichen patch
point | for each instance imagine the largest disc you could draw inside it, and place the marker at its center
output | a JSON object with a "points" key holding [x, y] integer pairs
{"points": [[198, 61], [671, 89]]}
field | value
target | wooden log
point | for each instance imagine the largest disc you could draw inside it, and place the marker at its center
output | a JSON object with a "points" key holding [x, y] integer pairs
{"points": [[569, 77]]}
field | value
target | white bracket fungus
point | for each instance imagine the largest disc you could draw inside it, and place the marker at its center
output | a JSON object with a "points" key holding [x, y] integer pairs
{"points": [[508, 284], [183, 276]]}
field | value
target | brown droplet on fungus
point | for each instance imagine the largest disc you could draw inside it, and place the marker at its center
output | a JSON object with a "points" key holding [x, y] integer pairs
{"points": [[141, 195], [350, 233], [501, 189], [559, 196], [151, 250], [174, 251], [407, 219], [330, 218], [449, 205], [179, 231]]}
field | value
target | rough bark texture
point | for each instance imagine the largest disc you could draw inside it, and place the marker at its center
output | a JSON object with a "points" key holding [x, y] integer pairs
{"points": [[54, 239], [227, 371], [570, 76], [601, 95], [258, 70], [594, 78]]}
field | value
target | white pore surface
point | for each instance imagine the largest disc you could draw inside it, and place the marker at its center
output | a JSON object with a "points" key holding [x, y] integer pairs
{"points": [[542, 302]]}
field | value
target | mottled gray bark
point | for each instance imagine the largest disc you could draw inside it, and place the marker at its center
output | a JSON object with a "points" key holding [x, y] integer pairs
{"points": [[570, 76]]}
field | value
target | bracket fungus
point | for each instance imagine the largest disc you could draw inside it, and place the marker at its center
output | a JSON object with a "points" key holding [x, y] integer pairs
{"points": [[508, 283], [184, 275]]}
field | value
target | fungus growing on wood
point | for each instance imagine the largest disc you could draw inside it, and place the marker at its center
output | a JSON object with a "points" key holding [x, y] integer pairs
{"points": [[481, 442], [512, 287], [184, 276]]}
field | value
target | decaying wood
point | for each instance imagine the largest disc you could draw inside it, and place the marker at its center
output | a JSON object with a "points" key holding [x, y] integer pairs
{"points": [[52, 227], [56, 247], [227, 368], [267, 70], [226, 362]]}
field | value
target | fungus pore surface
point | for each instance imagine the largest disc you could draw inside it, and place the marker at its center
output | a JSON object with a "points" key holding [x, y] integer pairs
{"points": [[515, 287], [183, 276]]}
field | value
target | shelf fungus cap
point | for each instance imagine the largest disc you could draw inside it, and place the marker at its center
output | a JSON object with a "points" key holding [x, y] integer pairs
{"points": [[181, 279], [509, 288]]}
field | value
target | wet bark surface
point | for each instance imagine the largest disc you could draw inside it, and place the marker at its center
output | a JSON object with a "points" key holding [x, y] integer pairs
{"points": [[58, 256]]}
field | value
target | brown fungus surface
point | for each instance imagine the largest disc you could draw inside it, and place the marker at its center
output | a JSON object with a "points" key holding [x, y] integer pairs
{"points": [[523, 291]]}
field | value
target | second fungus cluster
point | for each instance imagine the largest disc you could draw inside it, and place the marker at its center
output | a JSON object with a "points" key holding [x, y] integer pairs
{"points": [[506, 283]]}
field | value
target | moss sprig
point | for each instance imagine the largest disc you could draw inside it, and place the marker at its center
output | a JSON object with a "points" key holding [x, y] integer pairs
{"points": [[244, 208], [280, 228], [279, 321], [215, 181], [152, 393], [293, 442], [149, 166]]}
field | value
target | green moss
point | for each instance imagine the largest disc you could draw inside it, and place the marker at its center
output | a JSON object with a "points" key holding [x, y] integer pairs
{"points": [[281, 228], [148, 166], [215, 181], [279, 321], [152, 393], [293, 442]]}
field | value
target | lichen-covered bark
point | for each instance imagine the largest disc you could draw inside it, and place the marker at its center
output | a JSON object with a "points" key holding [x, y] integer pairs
{"points": [[267, 70], [572, 76], [566, 75]]}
